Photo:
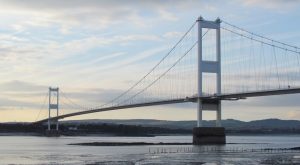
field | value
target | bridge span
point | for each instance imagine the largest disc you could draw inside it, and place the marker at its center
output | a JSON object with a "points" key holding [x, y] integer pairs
{"points": [[213, 61], [207, 101]]}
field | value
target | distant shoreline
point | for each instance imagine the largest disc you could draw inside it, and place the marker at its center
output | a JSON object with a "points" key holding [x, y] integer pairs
{"points": [[150, 128], [116, 135]]}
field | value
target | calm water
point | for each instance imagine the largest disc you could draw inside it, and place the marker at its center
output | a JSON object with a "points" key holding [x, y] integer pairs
{"points": [[43, 150]]}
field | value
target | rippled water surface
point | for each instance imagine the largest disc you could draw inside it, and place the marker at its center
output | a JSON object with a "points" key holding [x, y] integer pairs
{"points": [[240, 150]]}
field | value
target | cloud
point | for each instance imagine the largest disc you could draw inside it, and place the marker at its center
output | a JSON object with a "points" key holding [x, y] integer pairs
{"points": [[293, 114], [4, 103], [121, 63], [275, 4], [92, 14], [31, 95], [168, 15], [173, 34], [20, 86]]}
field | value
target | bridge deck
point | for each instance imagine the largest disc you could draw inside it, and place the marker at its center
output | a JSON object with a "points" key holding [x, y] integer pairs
{"points": [[234, 96]]}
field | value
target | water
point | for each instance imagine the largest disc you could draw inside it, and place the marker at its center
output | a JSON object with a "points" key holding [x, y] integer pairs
{"points": [[44, 150]]}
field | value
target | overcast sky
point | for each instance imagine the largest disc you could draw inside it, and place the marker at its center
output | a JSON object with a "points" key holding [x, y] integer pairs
{"points": [[93, 50]]}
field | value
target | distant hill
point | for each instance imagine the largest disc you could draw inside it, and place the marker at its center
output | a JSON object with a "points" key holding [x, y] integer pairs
{"points": [[228, 124], [147, 127]]}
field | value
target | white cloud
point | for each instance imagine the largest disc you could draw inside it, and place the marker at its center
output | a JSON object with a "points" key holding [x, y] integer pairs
{"points": [[121, 63], [168, 15], [293, 114], [19, 86], [89, 14], [274, 4], [173, 34]]}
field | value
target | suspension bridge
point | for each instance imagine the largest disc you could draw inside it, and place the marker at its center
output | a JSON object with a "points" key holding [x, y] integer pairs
{"points": [[213, 61]]}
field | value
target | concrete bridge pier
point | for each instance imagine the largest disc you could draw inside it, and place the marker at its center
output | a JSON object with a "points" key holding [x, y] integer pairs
{"points": [[209, 135], [52, 133]]}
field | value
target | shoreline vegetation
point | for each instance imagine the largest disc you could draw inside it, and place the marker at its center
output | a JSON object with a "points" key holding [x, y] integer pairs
{"points": [[148, 128]]}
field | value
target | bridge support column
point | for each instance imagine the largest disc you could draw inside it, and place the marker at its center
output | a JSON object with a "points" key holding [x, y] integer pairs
{"points": [[209, 135], [201, 134], [199, 113], [53, 104], [218, 115]]}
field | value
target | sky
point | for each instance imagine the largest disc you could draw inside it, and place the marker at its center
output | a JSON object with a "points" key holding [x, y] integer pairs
{"points": [[94, 50]]}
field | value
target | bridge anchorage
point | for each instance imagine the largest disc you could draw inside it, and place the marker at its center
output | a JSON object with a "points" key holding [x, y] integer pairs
{"points": [[53, 105]]}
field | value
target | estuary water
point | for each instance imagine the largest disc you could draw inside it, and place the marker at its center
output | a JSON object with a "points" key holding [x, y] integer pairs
{"points": [[239, 150]]}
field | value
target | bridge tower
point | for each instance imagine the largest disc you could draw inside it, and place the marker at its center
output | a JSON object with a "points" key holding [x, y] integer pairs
{"points": [[206, 135], [53, 105]]}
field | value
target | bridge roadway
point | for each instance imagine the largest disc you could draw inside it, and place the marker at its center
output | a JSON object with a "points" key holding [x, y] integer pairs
{"points": [[205, 99]]}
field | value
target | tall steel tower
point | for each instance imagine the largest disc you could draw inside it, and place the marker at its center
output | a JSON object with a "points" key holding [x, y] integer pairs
{"points": [[53, 105]]}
